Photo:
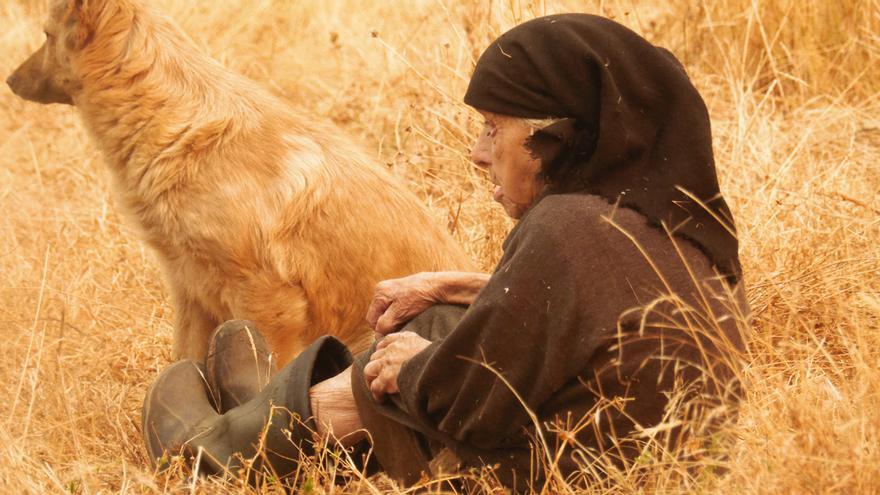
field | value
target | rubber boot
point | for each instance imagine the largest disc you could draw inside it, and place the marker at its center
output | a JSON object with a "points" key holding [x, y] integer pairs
{"points": [[176, 404], [270, 432], [238, 365]]}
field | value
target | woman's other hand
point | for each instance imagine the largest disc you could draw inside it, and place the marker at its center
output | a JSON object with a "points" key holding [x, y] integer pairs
{"points": [[385, 363], [399, 300]]}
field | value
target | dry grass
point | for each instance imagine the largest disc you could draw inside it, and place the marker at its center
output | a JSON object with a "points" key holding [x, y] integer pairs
{"points": [[794, 91]]}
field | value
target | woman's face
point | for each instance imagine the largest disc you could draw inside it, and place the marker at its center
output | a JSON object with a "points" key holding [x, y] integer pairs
{"points": [[501, 150]]}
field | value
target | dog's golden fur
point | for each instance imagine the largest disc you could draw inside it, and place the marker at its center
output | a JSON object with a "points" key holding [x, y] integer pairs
{"points": [[256, 211]]}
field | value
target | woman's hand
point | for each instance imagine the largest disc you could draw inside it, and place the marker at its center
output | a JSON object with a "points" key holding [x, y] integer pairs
{"points": [[399, 300], [385, 363]]}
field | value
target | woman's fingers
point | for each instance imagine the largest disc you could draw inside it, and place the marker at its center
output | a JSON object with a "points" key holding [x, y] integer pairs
{"points": [[386, 341], [396, 301], [381, 371], [385, 363], [374, 367], [384, 384], [379, 384], [378, 307], [377, 364], [377, 388], [371, 371], [390, 319]]}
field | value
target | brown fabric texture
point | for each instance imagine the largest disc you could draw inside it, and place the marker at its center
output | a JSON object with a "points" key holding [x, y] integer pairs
{"points": [[401, 451], [566, 319], [404, 454], [635, 129]]}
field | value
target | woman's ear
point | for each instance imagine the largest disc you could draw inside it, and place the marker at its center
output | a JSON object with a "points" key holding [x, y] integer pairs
{"points": [[546, 148], [548, 143], [561, 146]]}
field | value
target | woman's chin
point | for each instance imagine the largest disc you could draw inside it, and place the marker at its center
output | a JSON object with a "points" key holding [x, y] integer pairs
{"points": [[513, 210]]}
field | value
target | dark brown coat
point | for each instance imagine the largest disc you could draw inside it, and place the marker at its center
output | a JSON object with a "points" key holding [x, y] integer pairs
{"points": [[574, 317]]}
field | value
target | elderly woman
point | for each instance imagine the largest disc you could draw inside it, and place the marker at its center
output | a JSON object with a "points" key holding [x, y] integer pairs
{"points": [[618, 287]]}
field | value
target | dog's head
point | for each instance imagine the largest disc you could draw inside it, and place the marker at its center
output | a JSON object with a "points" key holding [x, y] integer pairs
{"points": [[49, 75]]}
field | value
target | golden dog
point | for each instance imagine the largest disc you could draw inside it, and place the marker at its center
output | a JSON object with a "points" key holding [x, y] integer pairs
{"points": [[255, 210]]}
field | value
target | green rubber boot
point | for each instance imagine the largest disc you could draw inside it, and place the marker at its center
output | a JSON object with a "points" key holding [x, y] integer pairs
{"points": [[273, 430], [238, 365]]}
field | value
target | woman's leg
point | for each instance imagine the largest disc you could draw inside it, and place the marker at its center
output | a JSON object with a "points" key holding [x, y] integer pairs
{"points": [[404, 453], [335, 411], [313, 393], [274, 428], [238, 368]]}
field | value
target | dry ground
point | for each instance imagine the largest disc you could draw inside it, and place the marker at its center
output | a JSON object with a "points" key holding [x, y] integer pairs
{"points": [[793, 88]]}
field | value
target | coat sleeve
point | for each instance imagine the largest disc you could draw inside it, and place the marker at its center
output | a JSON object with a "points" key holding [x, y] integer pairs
{"points": [[528, 324]]}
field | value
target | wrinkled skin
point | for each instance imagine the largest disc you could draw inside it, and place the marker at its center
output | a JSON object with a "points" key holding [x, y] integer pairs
{"points": [[385, 363], [47, 75], [399, 300], [500, 149]]}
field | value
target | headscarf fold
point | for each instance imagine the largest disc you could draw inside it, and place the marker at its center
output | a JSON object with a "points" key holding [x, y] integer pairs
{"points": [[633, 130]]}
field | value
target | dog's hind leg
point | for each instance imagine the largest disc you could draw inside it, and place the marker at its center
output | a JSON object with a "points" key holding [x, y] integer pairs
{"points": [[192, 329]]}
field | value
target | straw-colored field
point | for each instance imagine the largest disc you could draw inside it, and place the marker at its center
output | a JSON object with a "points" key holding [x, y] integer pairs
{"points": [[793, 87]]}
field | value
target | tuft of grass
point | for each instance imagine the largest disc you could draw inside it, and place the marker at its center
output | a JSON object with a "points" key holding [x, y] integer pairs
{"points": [[792, 88]]}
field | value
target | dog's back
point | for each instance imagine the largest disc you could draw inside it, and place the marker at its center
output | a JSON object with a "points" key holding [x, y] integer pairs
{"points": [[255, 210], [321, 232]]}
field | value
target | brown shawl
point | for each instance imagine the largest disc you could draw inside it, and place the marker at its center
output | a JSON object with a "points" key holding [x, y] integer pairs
{"points": [[635, 130]]}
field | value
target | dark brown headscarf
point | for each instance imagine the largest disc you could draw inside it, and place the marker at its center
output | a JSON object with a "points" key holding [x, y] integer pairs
{"points": [[635, 129]]}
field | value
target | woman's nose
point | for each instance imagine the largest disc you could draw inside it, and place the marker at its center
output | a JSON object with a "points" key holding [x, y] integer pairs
{"points": [[480, 152]]}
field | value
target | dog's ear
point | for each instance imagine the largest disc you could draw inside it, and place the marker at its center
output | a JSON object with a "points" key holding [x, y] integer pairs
{"points": [[78, 7], [82, 17], [84, 5]]}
